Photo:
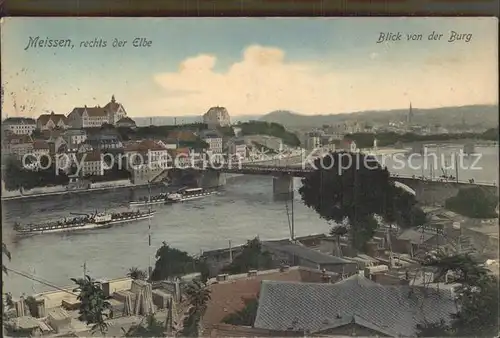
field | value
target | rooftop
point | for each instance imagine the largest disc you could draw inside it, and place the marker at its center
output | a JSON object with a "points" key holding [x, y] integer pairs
{"points": [[228, 296], [314, 308], [304, 252]]}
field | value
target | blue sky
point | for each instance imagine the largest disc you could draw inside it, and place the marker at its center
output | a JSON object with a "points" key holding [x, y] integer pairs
{"points": [[251, 66]]}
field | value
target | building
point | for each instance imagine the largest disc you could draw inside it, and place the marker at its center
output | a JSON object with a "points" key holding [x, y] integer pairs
{"points": [[355, 306], [17, 145], [146, 152], [74, 137], [52, 121], [126, 122], [230, 293], [19, 125], [237, 148], [116, 112], [105, 141], [313, 140], [300, 255], [91, 164], [409, 117], [40, 148], [214, 141], [88, 117], [217, 117]]}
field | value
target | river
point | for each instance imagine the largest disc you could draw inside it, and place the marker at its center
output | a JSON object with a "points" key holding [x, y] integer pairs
{"points": [[244, 209]]}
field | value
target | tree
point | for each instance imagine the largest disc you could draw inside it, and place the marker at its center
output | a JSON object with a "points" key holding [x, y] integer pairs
{"points": [[245, 316], [198, 295], [477, 298], [251, 257], [474, 203], [355, 187], [6, 252], [339, 231], [151, 328], [94, 307], [171, 262], [136, 273]]}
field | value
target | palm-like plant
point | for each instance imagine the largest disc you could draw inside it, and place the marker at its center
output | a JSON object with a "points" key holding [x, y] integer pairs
{"points": [[5, 252], [198, 296], [151, 328], [94, 304], [136, 273], [339, 231]]}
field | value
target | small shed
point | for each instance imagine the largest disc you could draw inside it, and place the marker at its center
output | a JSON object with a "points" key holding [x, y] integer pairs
{"points": [[59, 319]]}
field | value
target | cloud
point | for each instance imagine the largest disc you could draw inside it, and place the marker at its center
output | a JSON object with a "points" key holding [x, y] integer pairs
{"points": [[263, 80]]}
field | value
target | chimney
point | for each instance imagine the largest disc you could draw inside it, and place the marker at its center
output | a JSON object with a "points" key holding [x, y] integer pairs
{"points": [[252, 273], [284, 267], [222, 277]]}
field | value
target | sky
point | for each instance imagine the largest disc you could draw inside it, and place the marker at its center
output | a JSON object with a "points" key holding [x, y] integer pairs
{"points": [[251, 66]]}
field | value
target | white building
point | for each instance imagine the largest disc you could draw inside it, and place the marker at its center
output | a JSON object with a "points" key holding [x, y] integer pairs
{"points": [[17, 145], [147, 153], [87, 117], [116, 112], [217, 117], [214, 141], [19, 125], [74, 137], [313, 140], [52, 121], [91, 164]]}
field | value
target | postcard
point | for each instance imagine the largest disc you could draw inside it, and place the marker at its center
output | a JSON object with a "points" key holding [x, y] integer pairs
{"points": [[249, 176]]}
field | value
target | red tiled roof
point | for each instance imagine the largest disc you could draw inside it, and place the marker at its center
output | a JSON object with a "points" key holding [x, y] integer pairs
{"points": [[227, 297], [44, 118], [126, 119], [91, 111], [182, 135], [113, 106], [178, 151]]}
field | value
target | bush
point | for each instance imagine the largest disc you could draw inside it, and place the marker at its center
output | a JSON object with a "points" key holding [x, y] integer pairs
{"points": [[474, 203]]}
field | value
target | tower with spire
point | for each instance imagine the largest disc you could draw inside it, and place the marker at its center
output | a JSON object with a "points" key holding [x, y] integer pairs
{"points": [[409, 117]]}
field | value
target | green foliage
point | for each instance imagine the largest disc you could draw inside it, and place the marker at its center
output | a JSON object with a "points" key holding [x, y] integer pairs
{"points": [[171, 262], [16, 177], [263, 148], [156, 131], [473, 202], [226, 131], [94, 306], [271, 129], [477, 301], [198, 296], [136, 273], [251, 257], [245, 316], [151, 328], [365, 140], [356, 187]]}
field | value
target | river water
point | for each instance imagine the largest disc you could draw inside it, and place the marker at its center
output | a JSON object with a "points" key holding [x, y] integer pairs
{"points": [[244, 209]]}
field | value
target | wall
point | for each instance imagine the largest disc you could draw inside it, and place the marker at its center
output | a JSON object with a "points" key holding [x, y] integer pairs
{"points": [[119, 183], [352, 330], [436, 193]]}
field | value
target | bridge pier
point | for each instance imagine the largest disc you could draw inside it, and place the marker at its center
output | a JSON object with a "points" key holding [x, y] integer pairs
{"points": [[211, 179], [283, 187]]}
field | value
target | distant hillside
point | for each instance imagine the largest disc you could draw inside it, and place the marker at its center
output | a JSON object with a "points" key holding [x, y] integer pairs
{"points": [[484, 116], [171, 120]]}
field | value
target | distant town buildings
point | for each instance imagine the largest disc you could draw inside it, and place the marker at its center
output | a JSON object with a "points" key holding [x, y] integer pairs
{"points": [[52, 121], [88, 117], [214, 141], [217, 117], [19, 125]]}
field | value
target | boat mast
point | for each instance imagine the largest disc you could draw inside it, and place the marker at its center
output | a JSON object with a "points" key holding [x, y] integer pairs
{"points": [[149, 231], [456, 167], [293, 223]]}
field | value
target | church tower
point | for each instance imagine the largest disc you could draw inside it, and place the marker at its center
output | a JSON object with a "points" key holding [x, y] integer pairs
{"points": [[409, 118]]}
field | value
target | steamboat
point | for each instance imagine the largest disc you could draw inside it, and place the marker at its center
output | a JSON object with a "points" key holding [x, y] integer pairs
{"points": [[86, 222], [181, 195]]}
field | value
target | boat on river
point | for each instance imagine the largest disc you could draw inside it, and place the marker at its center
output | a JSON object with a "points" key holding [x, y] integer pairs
{"points": [[189, 194], [87, 222], [181, 195]]}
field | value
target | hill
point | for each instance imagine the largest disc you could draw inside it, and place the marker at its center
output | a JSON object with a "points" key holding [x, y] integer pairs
{"points": [[481, 116]]}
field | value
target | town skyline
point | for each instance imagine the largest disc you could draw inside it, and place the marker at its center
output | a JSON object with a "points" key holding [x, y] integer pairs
{"points": [[249, 66]]}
